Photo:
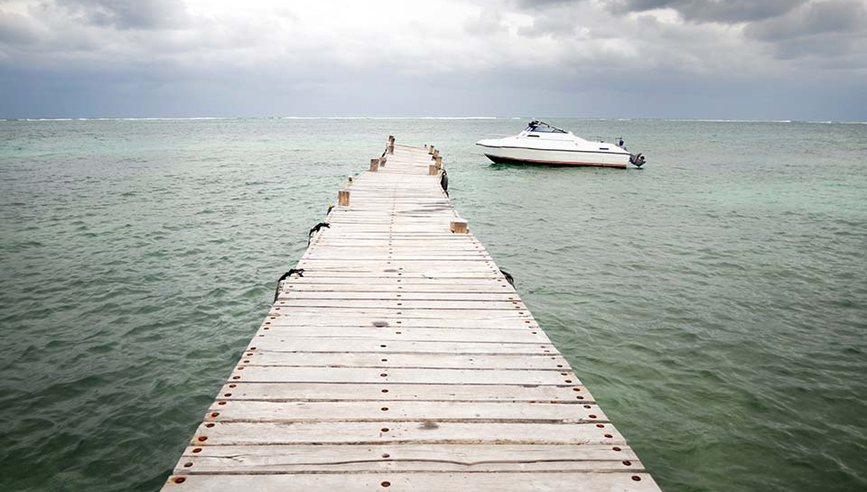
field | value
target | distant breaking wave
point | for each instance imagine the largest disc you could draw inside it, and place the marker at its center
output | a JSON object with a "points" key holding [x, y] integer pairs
{"points": [[388, 117], [194, 118]]}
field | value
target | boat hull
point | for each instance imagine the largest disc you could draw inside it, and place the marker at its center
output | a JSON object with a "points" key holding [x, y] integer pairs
{"points": [[514, 155]]}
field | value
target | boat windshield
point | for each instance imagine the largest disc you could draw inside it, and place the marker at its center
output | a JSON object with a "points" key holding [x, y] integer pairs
{"points": [[541, 127]]}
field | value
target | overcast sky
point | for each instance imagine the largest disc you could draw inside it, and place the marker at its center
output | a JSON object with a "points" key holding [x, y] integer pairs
{"points": [[763, 59]]}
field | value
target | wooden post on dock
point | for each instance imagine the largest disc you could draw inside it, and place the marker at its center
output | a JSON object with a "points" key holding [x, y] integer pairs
{"points": [[439, 163], [459, 226], [343, 198], [391, 148], [430, 150], [374, 165], [432, 170]]}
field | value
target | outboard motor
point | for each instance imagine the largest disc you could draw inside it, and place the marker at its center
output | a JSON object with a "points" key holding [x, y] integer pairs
{"points": [[636, 160]]}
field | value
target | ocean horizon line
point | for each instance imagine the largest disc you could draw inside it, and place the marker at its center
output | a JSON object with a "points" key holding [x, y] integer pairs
{"points": [[589, 118]]}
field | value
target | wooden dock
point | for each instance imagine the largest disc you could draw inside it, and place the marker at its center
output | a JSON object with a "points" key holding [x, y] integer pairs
{"points": [[401, 358]]}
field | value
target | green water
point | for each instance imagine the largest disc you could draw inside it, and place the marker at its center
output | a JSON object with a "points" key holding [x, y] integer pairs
{"points": [[715, 303]]}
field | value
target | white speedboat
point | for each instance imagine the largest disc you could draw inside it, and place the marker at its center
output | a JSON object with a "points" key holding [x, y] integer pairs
{"points": [[542, 143]]}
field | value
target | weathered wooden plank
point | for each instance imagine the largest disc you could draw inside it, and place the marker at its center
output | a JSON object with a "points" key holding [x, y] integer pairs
{"points": [[396, 333], [229, 410], [452, 305], [404, 392], [348, 320], [439, 246], [419, 482], [421, 432], [379, 259], [429, 361], [419, 290], [312, 278], [413, 272], [400, 272], [395, 344], [264, 374], [303, 295], [407, 457], [400, 312], [357, 239], [440, 267]]}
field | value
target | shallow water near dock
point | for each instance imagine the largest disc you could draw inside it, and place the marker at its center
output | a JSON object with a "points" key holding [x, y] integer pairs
{"points": [[714, 303]]}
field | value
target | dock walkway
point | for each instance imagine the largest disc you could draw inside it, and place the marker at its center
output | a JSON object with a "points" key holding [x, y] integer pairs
{"points": [[402, 359]]}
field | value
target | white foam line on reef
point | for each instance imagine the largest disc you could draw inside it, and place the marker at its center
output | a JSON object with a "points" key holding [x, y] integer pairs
{"points": [[193, 118], [388, 117]]}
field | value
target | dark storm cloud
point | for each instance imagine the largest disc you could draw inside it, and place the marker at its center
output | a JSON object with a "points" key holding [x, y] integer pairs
{"points": [[125, 14], [724, 11], [836, 16], [834, 32]]}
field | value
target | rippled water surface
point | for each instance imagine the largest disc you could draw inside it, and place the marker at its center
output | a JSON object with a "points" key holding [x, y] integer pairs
{"points": [[715, 303]]}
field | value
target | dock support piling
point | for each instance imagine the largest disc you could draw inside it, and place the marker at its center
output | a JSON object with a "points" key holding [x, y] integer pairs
{"points": [[374, 165], [459, 226], [343, 198]]}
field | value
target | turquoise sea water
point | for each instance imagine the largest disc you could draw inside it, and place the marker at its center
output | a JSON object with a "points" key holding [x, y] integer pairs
{"points": [[715, 302]]}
